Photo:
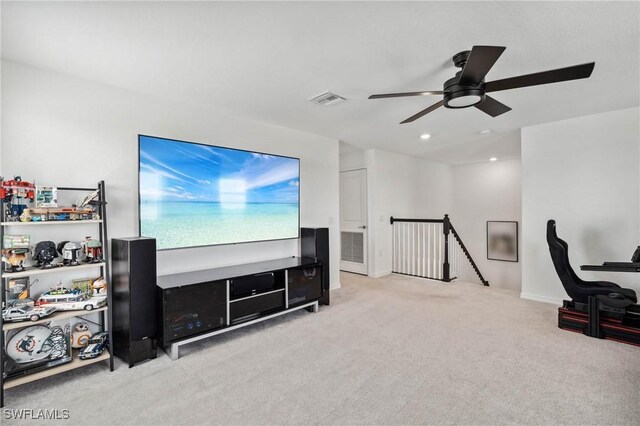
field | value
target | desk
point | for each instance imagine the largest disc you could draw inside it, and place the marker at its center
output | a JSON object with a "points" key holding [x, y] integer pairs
{"points": [[613, 267]]}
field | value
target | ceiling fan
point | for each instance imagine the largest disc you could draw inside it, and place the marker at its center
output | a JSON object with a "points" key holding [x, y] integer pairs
{"points": [[468, 87]]}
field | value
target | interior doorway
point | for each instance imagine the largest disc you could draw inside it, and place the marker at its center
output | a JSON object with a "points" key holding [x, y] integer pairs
{"points": [[353, 221]]}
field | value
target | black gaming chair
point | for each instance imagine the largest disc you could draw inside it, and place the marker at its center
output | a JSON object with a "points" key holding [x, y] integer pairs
{"points": [[578, 289]]}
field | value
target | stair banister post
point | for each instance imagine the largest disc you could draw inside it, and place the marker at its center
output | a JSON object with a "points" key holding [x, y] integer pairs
{"points": [[446, 227]]}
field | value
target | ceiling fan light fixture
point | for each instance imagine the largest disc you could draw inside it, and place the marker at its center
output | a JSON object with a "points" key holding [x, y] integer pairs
{"points": [[464, 98], [468, 87], [425, 136]]}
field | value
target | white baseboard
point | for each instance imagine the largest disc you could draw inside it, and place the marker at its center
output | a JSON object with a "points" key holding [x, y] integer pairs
{"points": [[380, 274], [335, 285], [552, 300]]}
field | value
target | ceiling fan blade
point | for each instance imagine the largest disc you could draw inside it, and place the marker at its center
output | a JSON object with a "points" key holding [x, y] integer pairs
{"points": [[480, 61], [575, 72], [423, 112], [492, 107], [400, 95]]}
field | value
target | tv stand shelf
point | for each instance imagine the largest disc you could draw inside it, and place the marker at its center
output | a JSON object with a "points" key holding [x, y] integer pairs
{"points": [[200, 304]]}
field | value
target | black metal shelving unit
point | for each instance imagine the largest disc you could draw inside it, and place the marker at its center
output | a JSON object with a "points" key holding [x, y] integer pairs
{"points": [[105, 314]]}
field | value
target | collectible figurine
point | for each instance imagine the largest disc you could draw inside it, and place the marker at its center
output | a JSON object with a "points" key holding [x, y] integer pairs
{"points": [[92, 250], [14, 259], [15, 193], [16, 188], [80, 335], [44, 254], [14, 251], [97, 344], [99, 287], [71, 252]]}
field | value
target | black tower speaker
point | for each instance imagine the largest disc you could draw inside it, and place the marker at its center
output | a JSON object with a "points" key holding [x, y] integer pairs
{"points": [[315, 244], [135, 300]]}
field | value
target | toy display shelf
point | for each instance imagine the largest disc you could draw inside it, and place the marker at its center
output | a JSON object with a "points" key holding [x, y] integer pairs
{"points": [[54, 316], [75, 363], [37, 271], [105, 315], [52, 222]]}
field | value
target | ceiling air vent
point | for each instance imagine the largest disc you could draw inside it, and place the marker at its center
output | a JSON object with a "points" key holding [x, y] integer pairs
{"points": [[327, 99]]}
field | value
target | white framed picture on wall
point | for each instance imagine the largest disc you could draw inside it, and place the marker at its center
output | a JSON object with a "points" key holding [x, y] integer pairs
{"points": [[502, 240]]}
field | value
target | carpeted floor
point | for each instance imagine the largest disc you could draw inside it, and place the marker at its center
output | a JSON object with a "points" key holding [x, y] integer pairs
{"points": [[395, 350]]}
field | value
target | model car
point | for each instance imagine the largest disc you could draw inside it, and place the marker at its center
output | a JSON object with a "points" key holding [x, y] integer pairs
{"points": [[26, 312], [70, 300], [96, 345]]}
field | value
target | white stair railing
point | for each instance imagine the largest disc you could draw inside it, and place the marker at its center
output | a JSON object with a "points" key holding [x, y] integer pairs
{"points": [[418, 248], [423, 248]]}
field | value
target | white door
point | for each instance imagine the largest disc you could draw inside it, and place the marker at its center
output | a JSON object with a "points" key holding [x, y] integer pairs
{"points": [[353, 221]]}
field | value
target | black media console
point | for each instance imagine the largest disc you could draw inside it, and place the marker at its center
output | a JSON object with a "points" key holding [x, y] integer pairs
{"points": [[200, 304]]}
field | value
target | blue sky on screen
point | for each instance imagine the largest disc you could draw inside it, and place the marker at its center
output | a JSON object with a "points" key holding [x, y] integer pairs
{"points": [[181, 171]]}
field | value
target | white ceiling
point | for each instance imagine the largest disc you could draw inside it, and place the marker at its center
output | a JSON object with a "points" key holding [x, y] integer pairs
{"points": [[263, 60]]}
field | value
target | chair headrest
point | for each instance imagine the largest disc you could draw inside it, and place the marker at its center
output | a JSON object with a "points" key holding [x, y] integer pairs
{"points": [[552, 236]]}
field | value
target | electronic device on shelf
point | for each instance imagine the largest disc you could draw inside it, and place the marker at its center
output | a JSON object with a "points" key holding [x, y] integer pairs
{"points": [[252, 285], [193, 309]]}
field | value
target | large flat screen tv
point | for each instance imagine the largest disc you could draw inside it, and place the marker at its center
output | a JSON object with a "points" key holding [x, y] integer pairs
{"points": [[193, 195]]}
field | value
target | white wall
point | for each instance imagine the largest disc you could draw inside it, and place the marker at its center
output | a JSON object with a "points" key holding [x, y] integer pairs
{"points": [[406, 187], [64, 131], [585, 174], [482, 192], [399, 186]]}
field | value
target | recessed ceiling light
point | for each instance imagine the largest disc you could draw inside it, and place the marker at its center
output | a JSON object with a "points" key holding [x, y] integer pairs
{"points": [[493, 159], [425, 136], [485, 131]]}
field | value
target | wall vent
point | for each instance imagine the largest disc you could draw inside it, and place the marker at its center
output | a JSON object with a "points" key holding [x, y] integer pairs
{"points": [[327, 99]]}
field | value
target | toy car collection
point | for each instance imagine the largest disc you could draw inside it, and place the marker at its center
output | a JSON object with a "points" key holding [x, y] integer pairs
{"points": [[26, 311], [69, 300], [97, 344]]}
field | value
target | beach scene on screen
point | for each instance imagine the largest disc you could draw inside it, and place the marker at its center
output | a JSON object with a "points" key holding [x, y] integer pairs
{"points": [[197, 195]]}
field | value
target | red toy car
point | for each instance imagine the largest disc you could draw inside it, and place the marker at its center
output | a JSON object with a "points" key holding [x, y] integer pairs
{"points": [[17, 188]]}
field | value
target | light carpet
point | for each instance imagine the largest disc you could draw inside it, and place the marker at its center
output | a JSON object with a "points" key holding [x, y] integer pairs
{"points": [[394, 350]]}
